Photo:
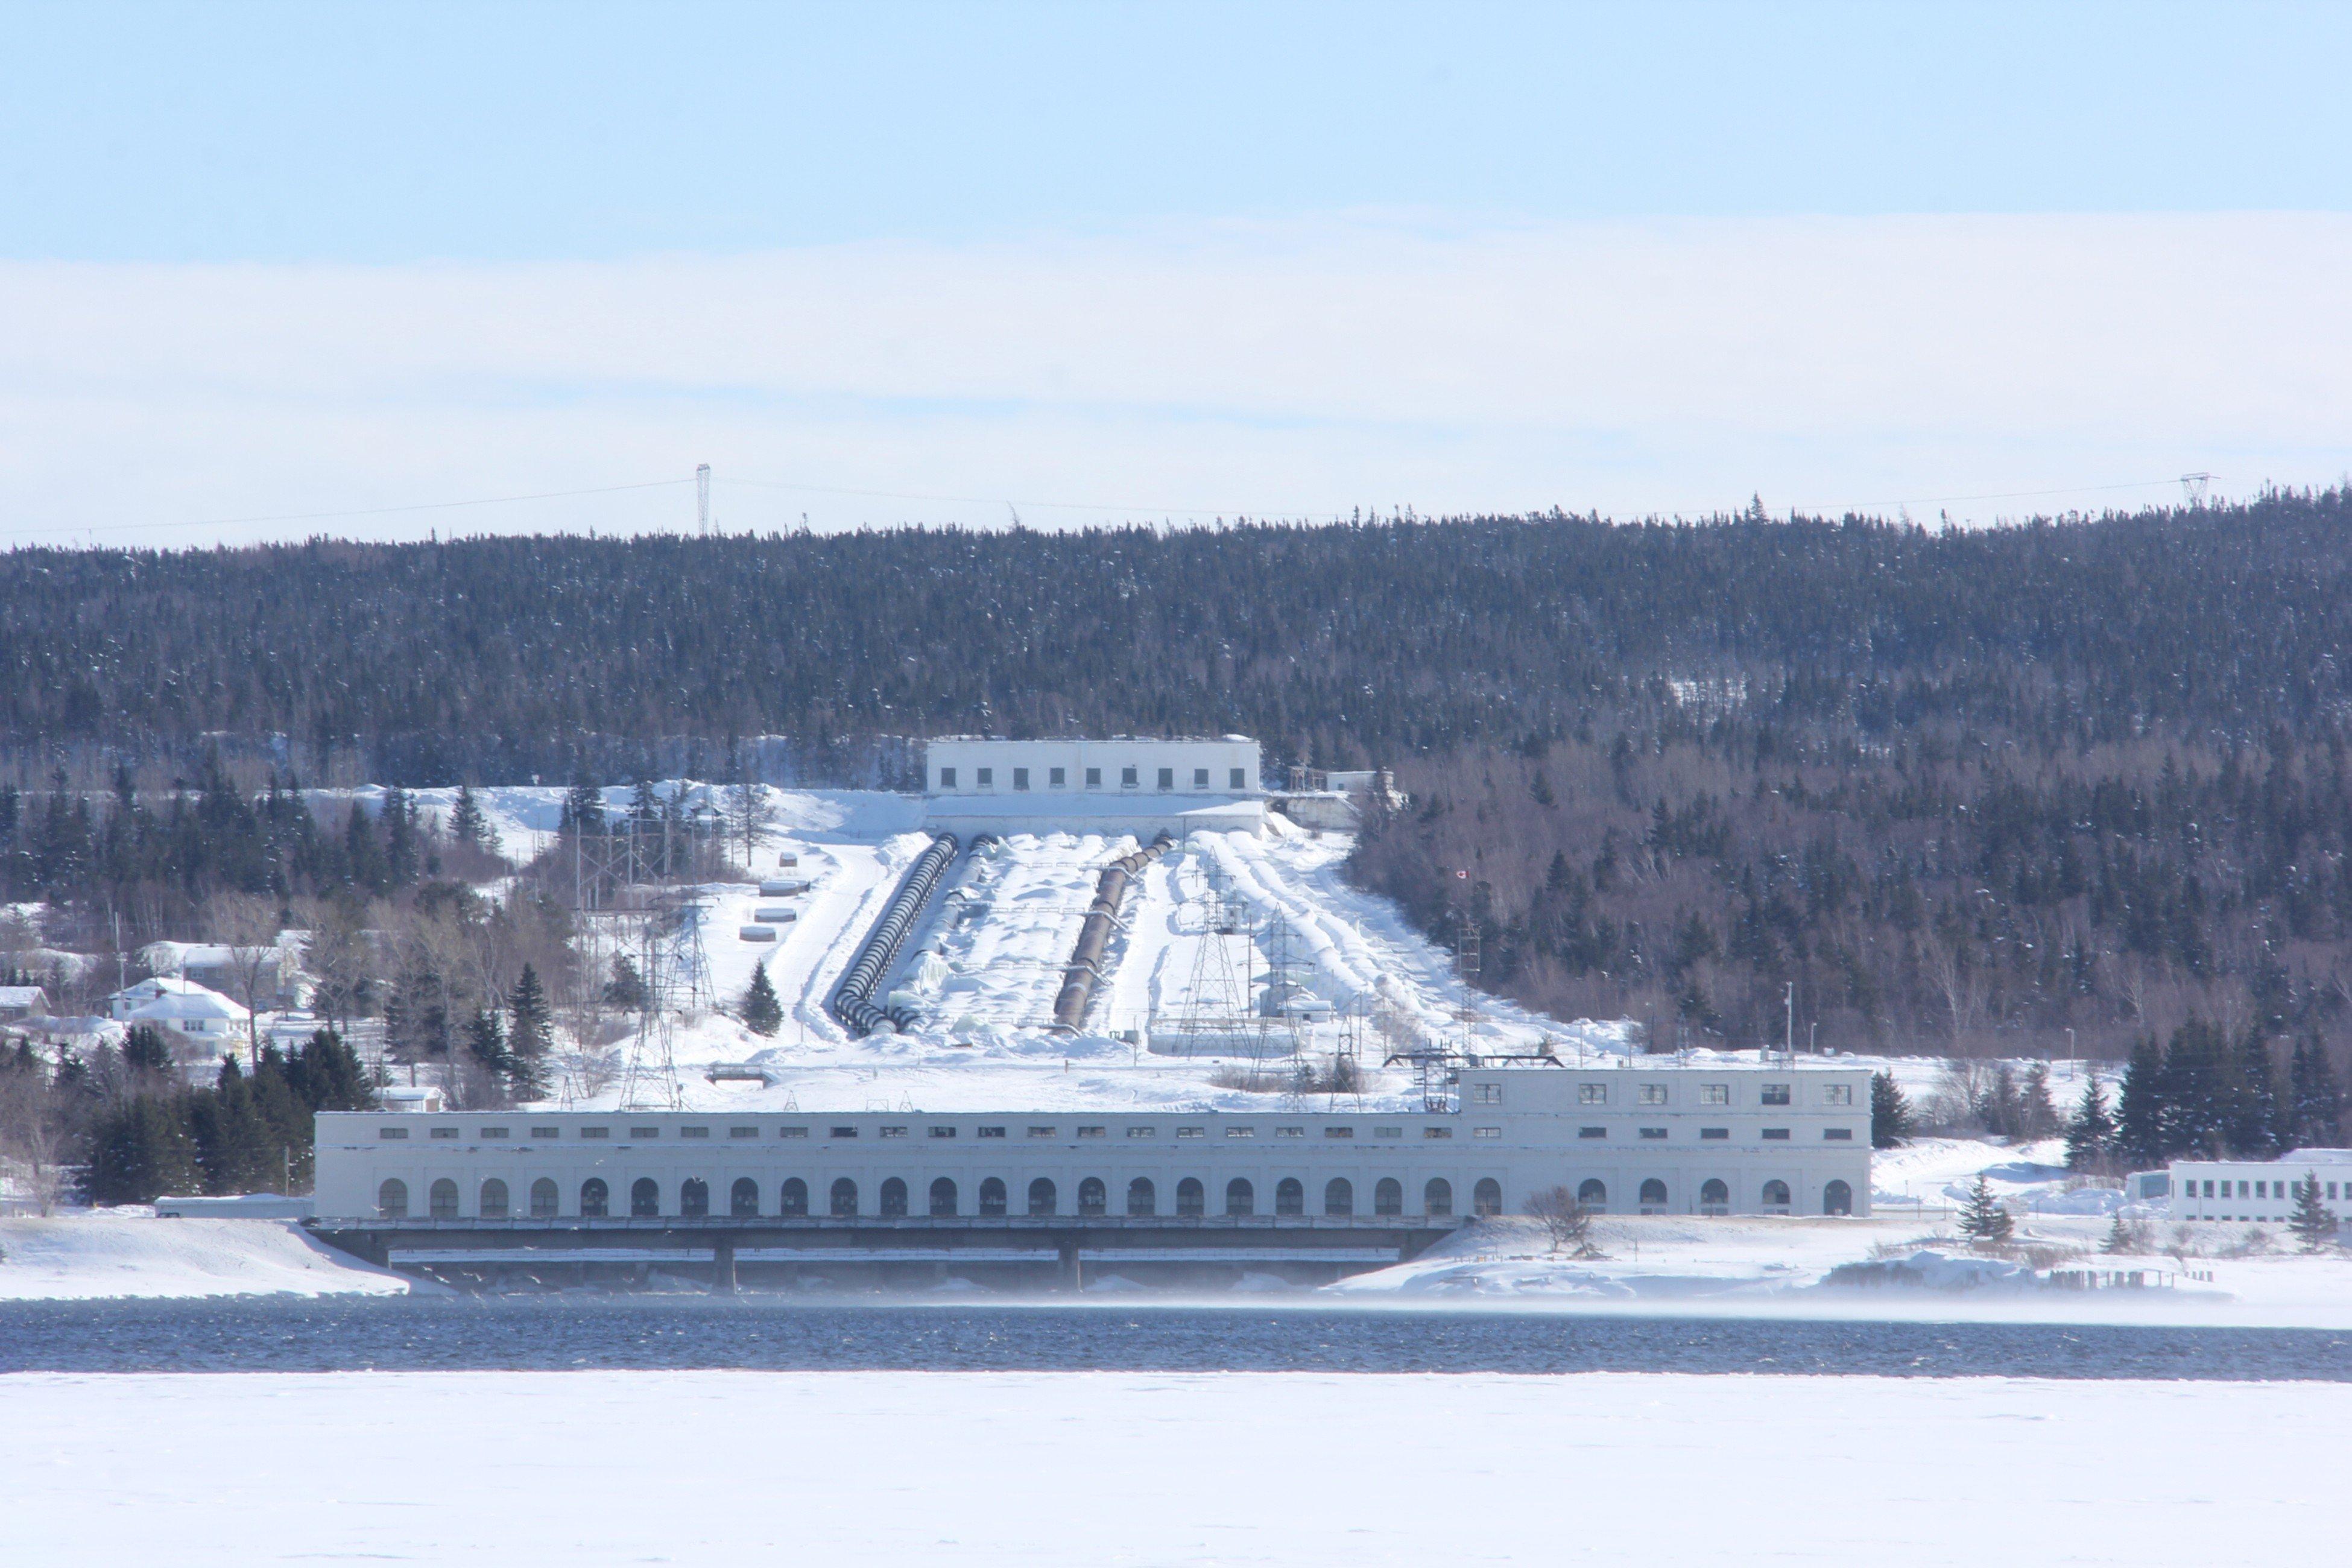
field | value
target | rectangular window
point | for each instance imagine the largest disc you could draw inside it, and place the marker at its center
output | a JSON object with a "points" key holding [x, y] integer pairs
{"points": [[890, 1132], [841, 1133], [984, 778], [1486, 1093], [1167, 778], [1188, 1132], [988, 1131], [1021, 778], [694, 1131], [1126, 778], [1057, 778], [595, 1132], [1837, 1094], [1779, 1134], [792, 1131], [2241, 1189], [2331, 1189], [2208, 1189], [947, 778], [391, 1131], [1041, 1132], [645, 1132], [743, 1132], [1776, 1094], [1653, 1094], [1591, 1094], [1290, 1132], [1238, 778], [445, 1133], [1838, 1134], [1094, 778], [490, 1132], [1714, 1135], [1437, 1133], [1143, 1133], [2261, 1189], [1592, 1132], [1485, 1133], [1654, 1134], [1388, 1132], [1241, 1132], [547, 1131], [1714, 1094], [1338, 1132], [1091, 1132], [942, 1132], [1200, 778]]}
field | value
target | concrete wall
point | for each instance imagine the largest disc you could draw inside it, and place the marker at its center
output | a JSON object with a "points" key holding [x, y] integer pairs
{"points": [[1527, 1130]]}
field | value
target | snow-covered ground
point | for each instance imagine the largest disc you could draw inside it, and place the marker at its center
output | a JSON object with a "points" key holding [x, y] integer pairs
{"points": [[119, 1252], [1045, 1470]]}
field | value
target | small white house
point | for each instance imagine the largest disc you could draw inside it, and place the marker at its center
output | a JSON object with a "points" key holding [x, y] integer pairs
{"points": [[200, 1025], [2261, 1190], [22, 1002]]}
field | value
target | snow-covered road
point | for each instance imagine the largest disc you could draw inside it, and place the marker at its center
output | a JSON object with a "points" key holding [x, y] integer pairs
{"points": [[1047, 1469]]}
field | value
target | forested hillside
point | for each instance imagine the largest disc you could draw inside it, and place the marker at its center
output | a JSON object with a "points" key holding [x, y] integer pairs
{"points": [[1976, 788]]}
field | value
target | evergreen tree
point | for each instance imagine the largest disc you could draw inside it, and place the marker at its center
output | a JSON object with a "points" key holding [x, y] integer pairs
{"points": [[2195, 1092], [145, 1052], [531, 1037], [466, 822], [2141, 1123], [2254, 1100], [141, 1151], [762, 1014], [232, 1144], [627, 989], [2313, 1221], [2315, 1112], [2091, 1134], [583, 808], [1982, 1218], [1890, 1113], [2037, 1113], [486, 1048]]}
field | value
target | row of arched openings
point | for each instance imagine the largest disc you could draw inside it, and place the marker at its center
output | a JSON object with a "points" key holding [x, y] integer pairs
{"points": [[1714, 1197], [1043, 1198]]}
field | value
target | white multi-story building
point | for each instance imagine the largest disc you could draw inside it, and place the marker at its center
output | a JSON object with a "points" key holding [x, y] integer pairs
{"points": [[1663, 1139], [977, 784], [2261, 1190]]}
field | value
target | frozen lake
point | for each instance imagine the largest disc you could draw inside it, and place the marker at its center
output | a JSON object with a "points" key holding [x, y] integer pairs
{"points": [[696, 1332]]}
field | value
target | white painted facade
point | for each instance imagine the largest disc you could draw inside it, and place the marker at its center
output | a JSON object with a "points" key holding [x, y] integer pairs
{"points": [[969, 766], [1664, 1139], [2261, 1190]]}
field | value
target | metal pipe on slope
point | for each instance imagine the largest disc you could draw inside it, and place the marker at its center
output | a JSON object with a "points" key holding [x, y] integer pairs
{"points": [[1085, 969], [853, 999]]}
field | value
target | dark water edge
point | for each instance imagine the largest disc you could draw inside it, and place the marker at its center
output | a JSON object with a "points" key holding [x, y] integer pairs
{"points": [[682, 1332]]}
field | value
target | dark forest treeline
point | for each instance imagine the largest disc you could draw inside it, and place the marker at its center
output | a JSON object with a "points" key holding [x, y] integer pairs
{"points": [[494, 658], [1971, 789]]}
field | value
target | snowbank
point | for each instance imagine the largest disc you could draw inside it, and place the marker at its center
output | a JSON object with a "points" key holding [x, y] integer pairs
{"points": [[1043, 1470], [121, 1253]]}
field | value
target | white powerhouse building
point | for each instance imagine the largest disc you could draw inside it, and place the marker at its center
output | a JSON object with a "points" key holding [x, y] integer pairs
{"points": [[1663, 1139], [975, 785]]}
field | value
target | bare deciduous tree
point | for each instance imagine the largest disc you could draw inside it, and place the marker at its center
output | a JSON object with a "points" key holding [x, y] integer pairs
{"points": [[1568, 1222]]}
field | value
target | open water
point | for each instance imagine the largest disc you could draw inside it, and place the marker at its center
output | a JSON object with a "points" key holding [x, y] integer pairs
{"points": [[569, 1333]]}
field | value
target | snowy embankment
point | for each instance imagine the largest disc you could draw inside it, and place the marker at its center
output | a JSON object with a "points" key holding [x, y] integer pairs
{"points": [[129, 1253], [1046, 1469]]}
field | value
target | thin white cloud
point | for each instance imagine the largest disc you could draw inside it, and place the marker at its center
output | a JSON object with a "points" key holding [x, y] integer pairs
{"points": [[1304, 370]]}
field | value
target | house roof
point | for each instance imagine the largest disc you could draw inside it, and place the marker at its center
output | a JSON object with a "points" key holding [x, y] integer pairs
{"points": [[23, 996]]}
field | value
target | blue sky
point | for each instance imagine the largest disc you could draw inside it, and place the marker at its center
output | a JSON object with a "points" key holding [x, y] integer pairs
{"points": [[177, 174]]}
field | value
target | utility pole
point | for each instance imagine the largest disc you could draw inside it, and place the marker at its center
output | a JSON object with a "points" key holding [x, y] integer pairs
{"points": [[703, 496], [1788, 1039]]}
